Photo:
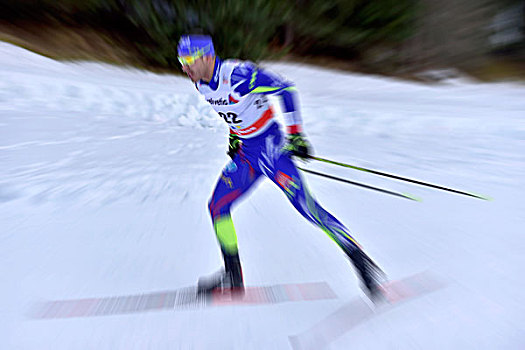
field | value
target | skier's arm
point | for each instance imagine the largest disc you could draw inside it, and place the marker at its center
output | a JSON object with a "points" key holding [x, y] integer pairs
{"points": [[247, 78]]}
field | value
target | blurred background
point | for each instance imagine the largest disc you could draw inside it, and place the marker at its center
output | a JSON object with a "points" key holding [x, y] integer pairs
{"points": [[416, 39], [105, 173]]}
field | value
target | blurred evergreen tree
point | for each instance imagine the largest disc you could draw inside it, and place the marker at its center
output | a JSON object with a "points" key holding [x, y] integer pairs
{"points": [[252, 29], [239, 29], [245, 29], [347, 27]]}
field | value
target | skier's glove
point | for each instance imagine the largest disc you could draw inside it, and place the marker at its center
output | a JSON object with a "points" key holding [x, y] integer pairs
{"points": [[234, 145], [298, 146]]}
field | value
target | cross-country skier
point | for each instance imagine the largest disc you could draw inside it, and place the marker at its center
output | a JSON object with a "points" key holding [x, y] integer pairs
{"points": [[238, 91]]}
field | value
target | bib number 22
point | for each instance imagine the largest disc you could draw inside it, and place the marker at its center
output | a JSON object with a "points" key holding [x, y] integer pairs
{"points": [[230, 118]]}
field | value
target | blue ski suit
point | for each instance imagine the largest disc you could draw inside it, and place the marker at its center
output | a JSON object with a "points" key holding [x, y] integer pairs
{"points": [[238, 93]]}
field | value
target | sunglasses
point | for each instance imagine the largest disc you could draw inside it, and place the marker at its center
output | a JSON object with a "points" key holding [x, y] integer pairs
{"points": [[190, 59]]}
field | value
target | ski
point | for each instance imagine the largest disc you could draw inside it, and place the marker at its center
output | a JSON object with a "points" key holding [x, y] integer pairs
{"points": [[398, 291], [182, 299], [359, 310]]}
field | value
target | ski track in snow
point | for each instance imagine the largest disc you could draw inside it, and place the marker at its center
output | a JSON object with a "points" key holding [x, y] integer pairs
{"points": [[106, 172]]}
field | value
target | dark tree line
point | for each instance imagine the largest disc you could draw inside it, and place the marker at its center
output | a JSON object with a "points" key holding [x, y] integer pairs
{"points": [[375, 32], [253, 29]]}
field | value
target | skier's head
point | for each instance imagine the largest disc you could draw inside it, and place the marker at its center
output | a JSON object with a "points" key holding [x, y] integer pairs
{"points": [[197, 56]]}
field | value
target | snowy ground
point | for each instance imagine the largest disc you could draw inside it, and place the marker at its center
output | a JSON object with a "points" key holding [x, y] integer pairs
{"points": [[104, 180]]}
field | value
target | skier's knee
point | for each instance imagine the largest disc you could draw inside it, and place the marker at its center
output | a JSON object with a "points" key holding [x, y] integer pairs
{"points": [[217, 209]]}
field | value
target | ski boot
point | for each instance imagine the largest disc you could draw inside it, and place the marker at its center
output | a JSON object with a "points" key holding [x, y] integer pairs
{"points": [[227, 280], [369, 273]]}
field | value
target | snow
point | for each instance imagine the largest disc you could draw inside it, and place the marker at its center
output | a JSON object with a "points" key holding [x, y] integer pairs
{"points": [[106, 173]]}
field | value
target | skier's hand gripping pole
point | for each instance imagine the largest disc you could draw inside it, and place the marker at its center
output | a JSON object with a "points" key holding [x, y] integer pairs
{"points": [[234, 145], [299, 146]]}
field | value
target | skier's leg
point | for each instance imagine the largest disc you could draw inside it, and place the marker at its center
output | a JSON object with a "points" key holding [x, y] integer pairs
{"points": [[286, 176], [288, 179], [235, 180]]}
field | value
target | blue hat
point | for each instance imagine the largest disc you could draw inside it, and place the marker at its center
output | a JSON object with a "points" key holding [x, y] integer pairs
{"points": [[193, 44]]}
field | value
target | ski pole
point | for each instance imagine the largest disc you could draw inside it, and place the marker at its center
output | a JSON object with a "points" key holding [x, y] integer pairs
{"points": [[402, 195], [400, 178]]}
